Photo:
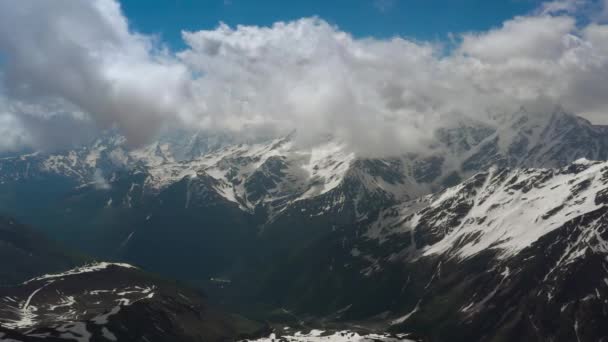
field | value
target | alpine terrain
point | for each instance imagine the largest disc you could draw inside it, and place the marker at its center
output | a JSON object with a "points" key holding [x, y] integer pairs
{"points": [[494, 232]]}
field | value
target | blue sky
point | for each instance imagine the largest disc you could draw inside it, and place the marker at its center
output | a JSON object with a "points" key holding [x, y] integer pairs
{"points": [[416, 19]]}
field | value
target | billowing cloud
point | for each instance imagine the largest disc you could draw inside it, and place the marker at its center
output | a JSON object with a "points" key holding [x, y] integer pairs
{"points": [[82, 52], [388, 94], [561, 6], [310, 76], [523, 38], [379, 95], [13, 136]]}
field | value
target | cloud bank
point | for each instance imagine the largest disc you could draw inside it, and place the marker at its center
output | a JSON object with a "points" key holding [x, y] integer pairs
{"points": [[80, 61], [83, 54]]}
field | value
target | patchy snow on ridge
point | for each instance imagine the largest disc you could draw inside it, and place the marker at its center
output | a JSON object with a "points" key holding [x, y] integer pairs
{"points": [[55, 300], [339, 336], [80, 270]]}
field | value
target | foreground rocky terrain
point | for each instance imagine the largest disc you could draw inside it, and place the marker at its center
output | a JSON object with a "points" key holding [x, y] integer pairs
{"points": [[112, 302], [99, 301]]}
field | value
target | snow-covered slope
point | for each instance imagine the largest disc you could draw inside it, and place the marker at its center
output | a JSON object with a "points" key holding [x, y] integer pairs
{"points": [[109, 302], [504, 210]]}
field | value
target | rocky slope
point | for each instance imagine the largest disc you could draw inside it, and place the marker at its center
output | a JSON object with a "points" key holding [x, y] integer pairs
{"points": [[112, 302]]}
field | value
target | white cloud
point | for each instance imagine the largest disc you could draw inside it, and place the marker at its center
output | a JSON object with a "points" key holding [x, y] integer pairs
{"points": [[597, 36], [589, 10], [560, 7], [309, 75], [604, 13], [13, 136], [83, 52], [379, 95], [99, 181], [535, 38], [389, 93]]}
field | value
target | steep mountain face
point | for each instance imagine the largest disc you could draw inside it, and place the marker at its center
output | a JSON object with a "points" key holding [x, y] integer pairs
{"points": [[25, 253], [112, 302], [509, 254]]}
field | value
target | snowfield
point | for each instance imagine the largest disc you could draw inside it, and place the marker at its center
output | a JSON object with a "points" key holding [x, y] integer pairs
{"points": [[506, 210], [339, 336]]}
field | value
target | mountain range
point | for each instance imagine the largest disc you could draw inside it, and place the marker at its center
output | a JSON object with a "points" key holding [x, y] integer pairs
{"points": [[494, 232]]}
